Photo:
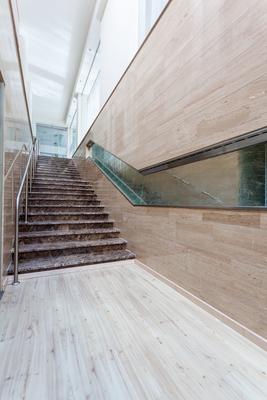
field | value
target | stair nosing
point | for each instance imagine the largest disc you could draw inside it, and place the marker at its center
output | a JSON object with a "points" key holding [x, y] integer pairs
{"points": [[26, 265], [37, 234], [69, 245], [62, 222], [60, 206], [33, 214]]}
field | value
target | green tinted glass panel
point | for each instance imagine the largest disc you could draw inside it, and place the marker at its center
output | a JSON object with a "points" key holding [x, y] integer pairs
{"points": [[236, 179]]}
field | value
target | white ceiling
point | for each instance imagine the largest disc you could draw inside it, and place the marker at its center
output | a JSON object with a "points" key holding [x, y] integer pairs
{"points": [[55, 33]]}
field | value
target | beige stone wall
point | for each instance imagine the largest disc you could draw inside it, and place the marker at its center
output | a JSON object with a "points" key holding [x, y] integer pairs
{"points": [[218, 256], [199, 79]]}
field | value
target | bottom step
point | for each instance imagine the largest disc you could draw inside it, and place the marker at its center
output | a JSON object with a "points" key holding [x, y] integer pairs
{"points": [[75, 260]]}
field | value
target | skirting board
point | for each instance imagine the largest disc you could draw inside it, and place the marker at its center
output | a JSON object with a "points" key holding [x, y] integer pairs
{"points": [[241, 329]]}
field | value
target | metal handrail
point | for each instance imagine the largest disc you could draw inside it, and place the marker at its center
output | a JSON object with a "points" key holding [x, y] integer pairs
{"points": [[24, 147], [30, 168]]}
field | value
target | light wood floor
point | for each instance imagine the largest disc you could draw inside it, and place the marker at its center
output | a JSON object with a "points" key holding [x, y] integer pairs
{"points": [[117, 332]]}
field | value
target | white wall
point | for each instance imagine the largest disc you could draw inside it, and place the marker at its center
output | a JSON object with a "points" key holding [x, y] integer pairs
{"points": [[120, 26], [149, 11], [119, 42]]}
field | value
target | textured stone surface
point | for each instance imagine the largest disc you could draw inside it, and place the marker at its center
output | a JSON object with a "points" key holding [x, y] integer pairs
{"points": [[67, 225]]}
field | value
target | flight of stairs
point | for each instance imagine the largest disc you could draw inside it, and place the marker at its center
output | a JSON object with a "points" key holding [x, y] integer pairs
{"points": [[67, 225]]}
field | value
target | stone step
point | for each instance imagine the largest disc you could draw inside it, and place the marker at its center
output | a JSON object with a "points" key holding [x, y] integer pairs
{"points": [[61, 196], [48, 225], [59, 180], [47, 208], [57, 170], [55, 159], [58, 173], [52, 158], [65, 216], [57, 176], [64, 202], [75, 260], [56, 165], [59, 183], [67, 225], [71, 235], [32, 251], [61, 189]]}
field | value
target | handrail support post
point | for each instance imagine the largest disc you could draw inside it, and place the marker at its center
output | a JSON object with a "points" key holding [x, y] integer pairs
{"points": [[25, 180], [16, 245]]}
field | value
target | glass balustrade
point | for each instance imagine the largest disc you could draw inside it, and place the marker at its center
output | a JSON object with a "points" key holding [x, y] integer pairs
{"points": [[233, 180]]}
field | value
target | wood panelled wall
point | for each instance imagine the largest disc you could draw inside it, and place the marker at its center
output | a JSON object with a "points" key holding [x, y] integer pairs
{"points": [[200, 78], [218, 256]]}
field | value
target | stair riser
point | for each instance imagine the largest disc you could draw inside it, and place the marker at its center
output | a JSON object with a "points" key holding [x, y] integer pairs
{"points": [[76, 250], [79, 217], [64, 209], [65, 227], [77, 261], [67, 238], [33, 202], [61, 185], [58, 176], [58, 181], [56, 161], [57, 171], [59, 189], [57, 167], [60, 197], [67, 161], [60, 171]]}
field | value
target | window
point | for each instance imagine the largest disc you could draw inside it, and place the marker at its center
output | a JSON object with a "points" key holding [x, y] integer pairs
{"points": [[53, 140], [149, 11]]}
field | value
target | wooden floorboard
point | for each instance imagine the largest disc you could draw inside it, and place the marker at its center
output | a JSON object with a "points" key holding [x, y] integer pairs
{"points": [[119, 333]]}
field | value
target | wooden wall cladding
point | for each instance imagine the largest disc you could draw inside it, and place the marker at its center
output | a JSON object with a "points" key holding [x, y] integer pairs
{"points": [[200, 78], [218, 256]]}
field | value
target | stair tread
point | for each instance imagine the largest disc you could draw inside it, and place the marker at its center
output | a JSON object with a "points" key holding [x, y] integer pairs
{"points": [[64, 201], [71, 244], [51, 263], [62, 180], [32, 214], [62, 206], [65, 184], [57, 193], [74, 221], [37, 234], [72, 189]]}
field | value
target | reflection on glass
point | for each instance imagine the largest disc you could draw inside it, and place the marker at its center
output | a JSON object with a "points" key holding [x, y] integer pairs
{"points": [[52, 140], [232, 180], [74, 133]]}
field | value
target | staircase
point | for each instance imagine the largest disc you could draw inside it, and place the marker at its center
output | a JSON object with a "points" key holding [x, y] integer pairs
{"points": [[67, 225]]}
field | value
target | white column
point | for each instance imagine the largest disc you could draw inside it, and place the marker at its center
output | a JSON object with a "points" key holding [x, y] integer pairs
{"points": [[81, 110]]}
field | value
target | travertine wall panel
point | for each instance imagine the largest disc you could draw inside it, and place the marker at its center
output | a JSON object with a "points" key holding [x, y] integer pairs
{"points": [[200, 78], [218, 256]]}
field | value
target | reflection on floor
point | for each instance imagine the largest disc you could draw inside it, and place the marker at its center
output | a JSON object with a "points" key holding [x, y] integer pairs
{"points": [[113, 331]]}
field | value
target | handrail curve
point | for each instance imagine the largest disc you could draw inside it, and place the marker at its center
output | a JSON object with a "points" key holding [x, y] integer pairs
{"points": [[23, 147]]}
